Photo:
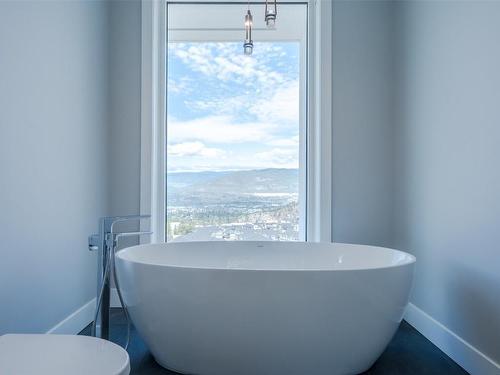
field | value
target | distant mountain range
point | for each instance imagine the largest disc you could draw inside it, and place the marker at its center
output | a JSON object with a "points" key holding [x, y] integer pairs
{"points": [[259, 181]]}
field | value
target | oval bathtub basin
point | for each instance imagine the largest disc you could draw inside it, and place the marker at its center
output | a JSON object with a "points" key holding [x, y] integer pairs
{"points": [[277, 308]]}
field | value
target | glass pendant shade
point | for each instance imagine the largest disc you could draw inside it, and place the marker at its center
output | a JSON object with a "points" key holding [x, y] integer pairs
{"points": [[270, 14], [248, 45], [248, 48]]}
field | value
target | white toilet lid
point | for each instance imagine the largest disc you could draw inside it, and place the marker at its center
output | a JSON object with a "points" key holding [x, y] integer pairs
{"points": [[61, 355]]}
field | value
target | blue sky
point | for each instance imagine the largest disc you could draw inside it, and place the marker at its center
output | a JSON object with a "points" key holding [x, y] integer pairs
{"points": [[229, 111]]}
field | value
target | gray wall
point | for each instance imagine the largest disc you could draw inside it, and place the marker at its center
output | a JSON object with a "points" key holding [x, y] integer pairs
{"points": [[53, 129], [416, 134], [363, 140], [125, 106], [448, 170], [125, 112]]}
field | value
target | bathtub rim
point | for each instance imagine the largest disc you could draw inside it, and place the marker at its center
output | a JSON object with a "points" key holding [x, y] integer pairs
{"points": [[409, 260]]}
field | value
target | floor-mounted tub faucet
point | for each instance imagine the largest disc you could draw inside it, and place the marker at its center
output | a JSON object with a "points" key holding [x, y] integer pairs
{"points": [[105, 243]]}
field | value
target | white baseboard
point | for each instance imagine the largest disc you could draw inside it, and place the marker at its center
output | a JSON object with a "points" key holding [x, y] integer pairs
{"points": [[81, 318], [463, 353], [76, 321]]}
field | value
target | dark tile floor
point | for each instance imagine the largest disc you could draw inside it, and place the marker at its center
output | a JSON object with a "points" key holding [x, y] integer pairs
{"points": [[409, 353]]}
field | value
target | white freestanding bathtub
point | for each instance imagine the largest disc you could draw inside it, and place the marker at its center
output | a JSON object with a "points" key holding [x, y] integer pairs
{"points": [[252, 308]]}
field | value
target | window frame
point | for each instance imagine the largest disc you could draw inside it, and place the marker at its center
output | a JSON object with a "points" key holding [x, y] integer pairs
{"points": [[318, 111]]}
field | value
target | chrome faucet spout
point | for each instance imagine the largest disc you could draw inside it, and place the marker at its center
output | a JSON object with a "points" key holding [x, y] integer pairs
{"points": [[129, 234], [121, 219], [113, 237]]}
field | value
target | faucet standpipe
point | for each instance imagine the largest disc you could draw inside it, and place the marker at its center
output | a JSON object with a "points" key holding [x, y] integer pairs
{"points": [[105, 242]]}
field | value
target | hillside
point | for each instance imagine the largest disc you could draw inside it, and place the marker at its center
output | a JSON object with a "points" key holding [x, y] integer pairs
{"points": [[262, 181]]}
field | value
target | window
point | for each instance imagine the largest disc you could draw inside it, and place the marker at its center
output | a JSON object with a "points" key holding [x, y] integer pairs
{"points": [[235, 125], [236, 147]]}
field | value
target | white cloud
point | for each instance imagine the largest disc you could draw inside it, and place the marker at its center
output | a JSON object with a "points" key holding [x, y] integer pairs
{"points": [[194, 149], [221, 105], [181, 85], [238, 159], [218, 129], [285, 142], [283, 105], [226, 62], [280, 157], [279, 107], [240, 101]]}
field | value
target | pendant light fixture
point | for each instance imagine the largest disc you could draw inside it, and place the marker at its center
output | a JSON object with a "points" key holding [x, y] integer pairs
{"points": [[270, 14], [248, 45], [270, 17]]}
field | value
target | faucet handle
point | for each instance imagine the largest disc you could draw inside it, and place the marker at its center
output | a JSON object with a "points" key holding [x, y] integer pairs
{"points": [[93, 242]]}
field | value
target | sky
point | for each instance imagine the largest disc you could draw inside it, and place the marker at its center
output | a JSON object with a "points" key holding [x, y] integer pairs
{"points": [[228, 111]]}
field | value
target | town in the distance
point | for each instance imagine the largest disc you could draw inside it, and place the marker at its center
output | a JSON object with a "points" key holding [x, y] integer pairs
{"points": [[248, 205]]}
